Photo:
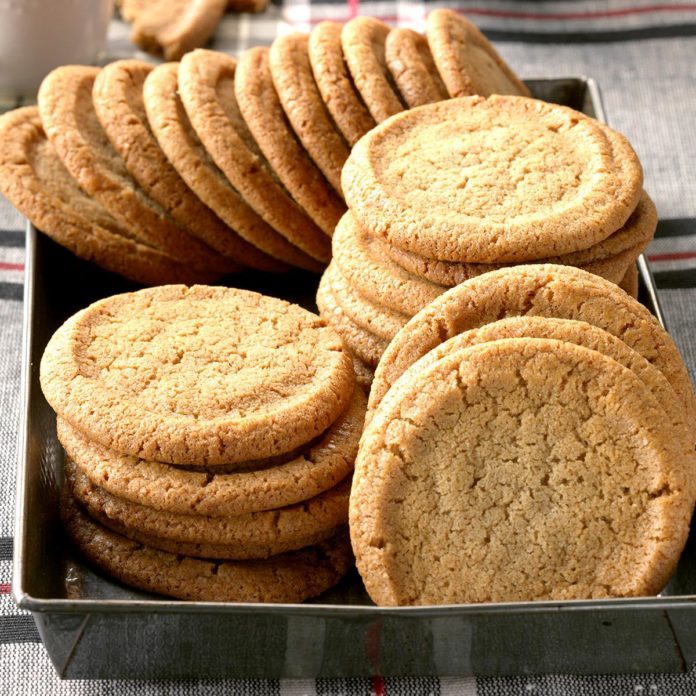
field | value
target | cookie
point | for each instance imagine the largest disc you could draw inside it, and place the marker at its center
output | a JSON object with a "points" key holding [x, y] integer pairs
{"points": [[364, 345], [364, 374], [72, 126], [206, 88], [629, 282], [462, 466], [466, 60], [363, 40], [291, 577], [335, 84], [172, 28], [35, 181], [380, 321], [561, 182], [267, 122], [544, 290], [302, 103], [634, 236], [412, 67], [201, 375], [181, 145], [184, 491], [118, 101], [253, 535], [380, 280]]}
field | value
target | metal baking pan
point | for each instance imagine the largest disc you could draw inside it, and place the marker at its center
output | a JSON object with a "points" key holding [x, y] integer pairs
{"points": [[95, 628]]}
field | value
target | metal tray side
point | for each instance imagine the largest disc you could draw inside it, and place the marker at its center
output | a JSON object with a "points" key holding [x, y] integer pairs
{"points": [[342, 634]]}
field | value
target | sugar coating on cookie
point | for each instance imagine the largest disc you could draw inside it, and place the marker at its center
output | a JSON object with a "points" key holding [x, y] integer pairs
{"points": [[262, 485], [335, 84], [521, 469], [203, 375], [542, 290], [466, 60], [492, 180], [37, 183]]}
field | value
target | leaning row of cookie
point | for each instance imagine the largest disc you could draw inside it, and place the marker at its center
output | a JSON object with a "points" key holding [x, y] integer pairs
{"points": [[451, 190], [210, 436], [188, 171], [548, 454]]}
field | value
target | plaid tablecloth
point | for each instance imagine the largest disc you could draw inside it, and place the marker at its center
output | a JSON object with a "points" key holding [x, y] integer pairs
{"points": [[643, 54]]}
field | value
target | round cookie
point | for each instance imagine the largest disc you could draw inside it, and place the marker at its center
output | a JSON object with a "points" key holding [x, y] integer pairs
{"points": [[253, 535], [207, 91], [118, 102], [518, 470], [629, 282], [335, 83], [380, 321], [543, 290], [162, 487], [363, 40], [302, 103], [291, 577], [35, 181], [634, 236], [466, 60], [172, 28], [562, 181], [71, 124], [380, 280], [263, 113], [183, 148], [203, 376], [364, 345], [411, 65]]}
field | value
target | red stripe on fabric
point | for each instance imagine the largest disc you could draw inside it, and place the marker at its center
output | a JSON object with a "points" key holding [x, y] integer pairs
{"points": [[596, 14], [5, 588], [676, 256], [353, 8], [11, 266], [377, 686]]}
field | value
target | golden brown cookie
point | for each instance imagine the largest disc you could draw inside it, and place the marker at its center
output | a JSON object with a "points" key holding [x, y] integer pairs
{"points": [[365, 346], [183, 148], [633, 237], [118, 101], [171, 28], [363, 41], [629, 282], [268, 485], [252, 535], [543, 290], [376, 319], [71, 124], [206, 88], [291, 577], [301, 100], [380, 280], [411, 65], [263, 113], [35, 181], [335, 83], [562, 181], [521, 469], [203, 376], [466, 60]]}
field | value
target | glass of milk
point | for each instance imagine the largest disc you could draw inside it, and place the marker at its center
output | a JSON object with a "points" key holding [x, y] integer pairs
{"points": [[39, 35]]}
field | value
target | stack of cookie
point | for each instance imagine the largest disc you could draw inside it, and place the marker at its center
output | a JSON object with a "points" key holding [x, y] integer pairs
{"points": [[531, 437], [210, 436], [451, 190], [187, 171]]}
